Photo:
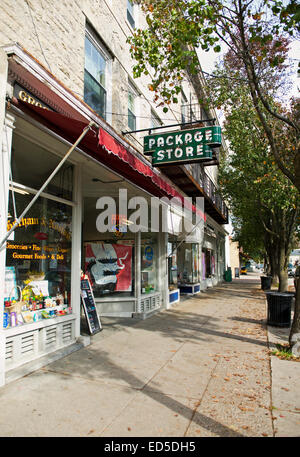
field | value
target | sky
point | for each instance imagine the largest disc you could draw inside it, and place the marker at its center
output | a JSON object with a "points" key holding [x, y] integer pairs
{"points": [[208, 60]]}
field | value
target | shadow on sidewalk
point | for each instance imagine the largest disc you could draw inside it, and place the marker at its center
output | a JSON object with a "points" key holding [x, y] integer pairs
{"points": [[97, 364], [103, 360], [261, 322]]}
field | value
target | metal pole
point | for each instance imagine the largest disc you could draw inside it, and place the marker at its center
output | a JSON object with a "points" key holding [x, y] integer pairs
{"points": [[84, 132], [167, 126]]}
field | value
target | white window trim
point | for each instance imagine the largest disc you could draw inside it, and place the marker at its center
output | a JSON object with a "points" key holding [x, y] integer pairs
{"points": [[135, 16], [30, 190], [156, 117], [136, 94], [184, 102], [108, 71]]}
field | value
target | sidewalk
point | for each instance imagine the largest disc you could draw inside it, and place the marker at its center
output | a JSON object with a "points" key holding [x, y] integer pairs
{"points": [[201, 369]]}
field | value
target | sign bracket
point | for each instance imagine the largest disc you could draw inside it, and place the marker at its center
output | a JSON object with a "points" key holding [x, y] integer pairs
{"points": [[168, 126]]}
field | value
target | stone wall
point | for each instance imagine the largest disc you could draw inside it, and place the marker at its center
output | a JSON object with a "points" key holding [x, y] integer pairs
{"points": [[234, 255], [54, 32]]}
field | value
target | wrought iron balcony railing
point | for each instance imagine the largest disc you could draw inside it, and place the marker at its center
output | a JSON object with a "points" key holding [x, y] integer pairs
{"points": [[210, 191]]}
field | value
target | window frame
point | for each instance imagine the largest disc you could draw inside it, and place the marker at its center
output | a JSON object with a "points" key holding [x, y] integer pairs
{"points": [[184, 103], [131, 14], [155, 120], [108, 58], [132, 114]]}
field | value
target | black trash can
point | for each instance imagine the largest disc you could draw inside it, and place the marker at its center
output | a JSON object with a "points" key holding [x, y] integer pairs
{"points": [[279, 308], [266, 282]]}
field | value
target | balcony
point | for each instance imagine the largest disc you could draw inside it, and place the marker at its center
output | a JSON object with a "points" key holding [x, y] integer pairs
{"points": [[196, 183]]}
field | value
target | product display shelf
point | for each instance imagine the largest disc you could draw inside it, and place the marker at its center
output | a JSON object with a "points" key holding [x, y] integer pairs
{"points": [[37, 316]]}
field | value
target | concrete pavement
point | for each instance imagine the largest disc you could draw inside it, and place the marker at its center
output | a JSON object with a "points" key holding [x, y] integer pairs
{"points": [[201, 369]]}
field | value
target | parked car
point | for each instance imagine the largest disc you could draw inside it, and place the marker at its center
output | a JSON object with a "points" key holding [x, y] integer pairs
{"points": [[243, 270], [291, 271]]}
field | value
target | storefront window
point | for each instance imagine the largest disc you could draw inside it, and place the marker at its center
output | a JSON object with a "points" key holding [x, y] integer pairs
{"points": [[208, 263], [38, 261], [172, 265], [149, 263], [188, 263], [32, 165], [110, 267]]}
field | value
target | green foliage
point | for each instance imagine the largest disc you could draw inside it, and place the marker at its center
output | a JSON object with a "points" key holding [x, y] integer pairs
{"points": [[177, 27], [262, 200], [256, 33], [284, 352]]}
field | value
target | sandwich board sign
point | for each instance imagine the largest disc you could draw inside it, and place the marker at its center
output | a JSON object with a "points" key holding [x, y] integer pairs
{"points": [[89, 306]]}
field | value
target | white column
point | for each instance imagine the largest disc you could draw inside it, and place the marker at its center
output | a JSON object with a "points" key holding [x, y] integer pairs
{"points": [[76, 247], [4, 184], [137, 271], [163, 282], [6, 128]]}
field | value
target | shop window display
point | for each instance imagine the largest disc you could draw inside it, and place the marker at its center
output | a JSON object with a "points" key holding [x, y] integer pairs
{"points": [[149, 269], [209, 263], [172, 266], [38, 261], [110, 267], [188, 263]]}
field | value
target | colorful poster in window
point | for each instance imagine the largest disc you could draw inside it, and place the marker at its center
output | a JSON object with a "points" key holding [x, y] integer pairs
{"points": [[10, 284], [109, 266]]}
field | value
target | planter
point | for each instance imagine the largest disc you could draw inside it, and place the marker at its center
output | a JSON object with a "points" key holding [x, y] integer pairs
{"points": [[266, 282], [189, 289], [279, 309], [174, 296]]}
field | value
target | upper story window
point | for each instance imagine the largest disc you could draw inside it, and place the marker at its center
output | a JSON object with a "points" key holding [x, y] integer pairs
{"points": [[132, 106], [97, 75], [155, 121], [130, 13], [184, 108]]}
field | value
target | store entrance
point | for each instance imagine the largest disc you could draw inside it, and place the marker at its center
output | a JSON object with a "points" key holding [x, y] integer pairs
{"points": [[122, 263]]}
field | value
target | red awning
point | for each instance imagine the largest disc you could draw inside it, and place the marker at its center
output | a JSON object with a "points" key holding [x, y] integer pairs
{"points": [[105, 149]]}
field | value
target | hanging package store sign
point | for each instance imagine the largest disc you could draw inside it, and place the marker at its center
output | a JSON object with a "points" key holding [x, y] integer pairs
{"points": [[185, 146]]}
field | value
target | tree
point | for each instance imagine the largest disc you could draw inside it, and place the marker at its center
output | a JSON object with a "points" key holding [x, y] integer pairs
{"points": [[264, 203], [166, 49], [262, 200]]}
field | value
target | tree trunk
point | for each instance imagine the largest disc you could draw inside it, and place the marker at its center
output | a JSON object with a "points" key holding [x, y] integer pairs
{"points": [[282, 265], [283, 281], [272, 269], [295, 328]]}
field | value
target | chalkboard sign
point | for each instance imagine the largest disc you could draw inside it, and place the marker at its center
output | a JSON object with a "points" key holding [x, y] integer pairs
{"points": [[89, 306]]}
